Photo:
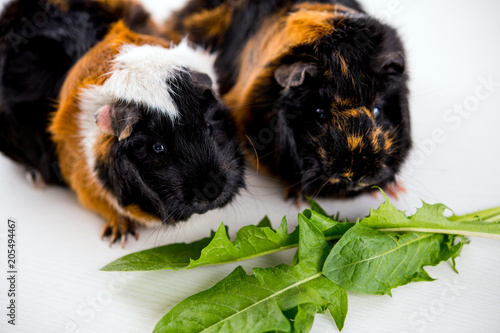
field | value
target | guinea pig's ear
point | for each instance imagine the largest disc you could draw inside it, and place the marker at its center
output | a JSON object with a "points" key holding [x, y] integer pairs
{"points": [[294, 75], [393, 63], [202, 80], [115, 121], [203, 84], [103, 120]]}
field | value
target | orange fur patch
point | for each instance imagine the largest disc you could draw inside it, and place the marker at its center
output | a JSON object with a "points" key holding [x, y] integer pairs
{"points": [[344, 67], [305, 27], [353, 113], [374, 139], [348, 174], [139, 215], [367, 112], [102, 147], [213, 22], [389, 142], [355, 142], [344, 104]]}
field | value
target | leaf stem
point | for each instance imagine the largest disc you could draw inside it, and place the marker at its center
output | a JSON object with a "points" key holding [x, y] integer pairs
{"points": [[488, 215], [260, 254], [442, 231]]}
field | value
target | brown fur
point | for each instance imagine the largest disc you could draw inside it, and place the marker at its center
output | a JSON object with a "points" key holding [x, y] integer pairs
{"points": [[216, 20], [355, 142]]}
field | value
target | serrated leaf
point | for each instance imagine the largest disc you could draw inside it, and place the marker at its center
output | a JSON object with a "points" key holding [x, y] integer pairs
{"points": [[172, 256], [431, 219], [250, 241], [369, 261], [262, 301]]}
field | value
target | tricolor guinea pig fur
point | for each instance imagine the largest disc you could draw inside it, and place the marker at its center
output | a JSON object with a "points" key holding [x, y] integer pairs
{"points": [[39, 42], [318, 89], [141, 135]]}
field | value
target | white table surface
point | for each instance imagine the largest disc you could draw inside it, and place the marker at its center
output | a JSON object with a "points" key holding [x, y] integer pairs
{"points": [[452, 47]]}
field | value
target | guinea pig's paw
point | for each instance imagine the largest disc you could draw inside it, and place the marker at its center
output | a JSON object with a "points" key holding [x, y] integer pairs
{"points": [[35, 179], [293, 194], [393, 190], [118, 228]]}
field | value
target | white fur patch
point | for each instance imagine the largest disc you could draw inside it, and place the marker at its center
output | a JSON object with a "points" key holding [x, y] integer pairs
{"points": [[140, 75]]}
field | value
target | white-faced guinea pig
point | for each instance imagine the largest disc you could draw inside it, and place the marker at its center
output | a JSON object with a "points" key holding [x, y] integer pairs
{"points": [[140, 134], [318, 89], [39, 42]]}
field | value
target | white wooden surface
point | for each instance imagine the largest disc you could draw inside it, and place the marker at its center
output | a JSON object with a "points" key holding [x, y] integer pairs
{"points": [[452, 48]]}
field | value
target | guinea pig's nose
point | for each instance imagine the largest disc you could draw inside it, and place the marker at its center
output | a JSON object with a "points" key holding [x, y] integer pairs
{"points": [[209, 187]]}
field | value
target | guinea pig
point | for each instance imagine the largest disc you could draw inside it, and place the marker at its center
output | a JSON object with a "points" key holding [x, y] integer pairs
{"points": [[39, 42], [318, 89], [141, 136]]}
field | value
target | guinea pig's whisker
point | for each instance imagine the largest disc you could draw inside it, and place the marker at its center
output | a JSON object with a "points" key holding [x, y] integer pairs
{"points": [[269, 154], [321, 188], [257, 162], [128, 119], [305, 184]]}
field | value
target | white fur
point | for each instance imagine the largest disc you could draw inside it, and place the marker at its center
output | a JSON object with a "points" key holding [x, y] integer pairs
{"points": [[140, 75], [89, 134]]}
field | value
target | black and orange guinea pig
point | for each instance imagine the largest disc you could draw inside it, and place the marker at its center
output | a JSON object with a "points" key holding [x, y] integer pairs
{"points": [[39, 42], [318, 89]]}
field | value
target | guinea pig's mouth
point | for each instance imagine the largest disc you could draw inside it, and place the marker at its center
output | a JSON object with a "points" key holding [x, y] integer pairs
{"points": [[204, 207], [184, 210], [356, 187], [327, 180], [340, 188]]}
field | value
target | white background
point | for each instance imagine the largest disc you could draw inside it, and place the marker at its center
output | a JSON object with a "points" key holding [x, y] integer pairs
{"points": [[451, 46]]}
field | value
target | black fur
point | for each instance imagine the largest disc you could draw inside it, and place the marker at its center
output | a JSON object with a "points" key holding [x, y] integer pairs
{"points": [[301, 134], [285, 130], [200, 168], [246, 20], [39, 43]]}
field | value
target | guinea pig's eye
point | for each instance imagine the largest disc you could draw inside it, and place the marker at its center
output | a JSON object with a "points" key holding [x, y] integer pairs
{"points": [[377, 110], [158, 148], [210, 128], [321, 114]]}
